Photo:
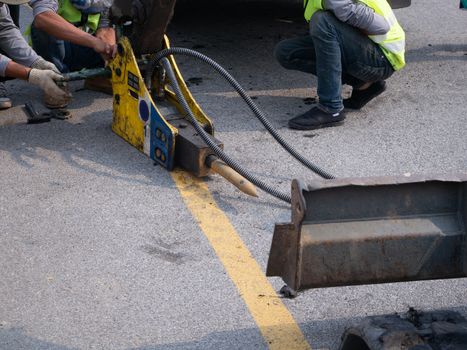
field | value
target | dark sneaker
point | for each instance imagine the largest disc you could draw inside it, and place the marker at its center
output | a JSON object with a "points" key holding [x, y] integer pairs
{"points": [[360, 98], [5, 101], [315, 118]]}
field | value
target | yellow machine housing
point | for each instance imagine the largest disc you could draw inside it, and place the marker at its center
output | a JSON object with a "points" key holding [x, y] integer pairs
{"points": [[136, 118]]}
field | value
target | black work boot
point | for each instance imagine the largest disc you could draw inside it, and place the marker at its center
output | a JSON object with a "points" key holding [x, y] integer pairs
{"points": [[360, 98], [315, 118], [5, 101]]}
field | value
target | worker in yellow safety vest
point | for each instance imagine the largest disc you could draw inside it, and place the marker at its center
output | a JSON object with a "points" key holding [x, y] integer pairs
{"points": [[73, 34], [359, 43]]}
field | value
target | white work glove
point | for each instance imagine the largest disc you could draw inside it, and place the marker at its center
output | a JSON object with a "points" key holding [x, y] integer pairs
{"points": [[46, 80], [51, 98], [45, 65]]}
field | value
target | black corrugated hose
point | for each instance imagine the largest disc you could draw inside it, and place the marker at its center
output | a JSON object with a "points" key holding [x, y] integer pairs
{"points": [[258, 113]]}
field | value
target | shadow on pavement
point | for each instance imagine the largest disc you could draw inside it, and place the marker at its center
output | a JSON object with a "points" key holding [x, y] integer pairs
{"points": [[89, 145], [17, 339]]}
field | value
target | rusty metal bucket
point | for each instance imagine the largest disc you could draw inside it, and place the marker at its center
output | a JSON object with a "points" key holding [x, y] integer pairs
{"points": [[372, 230]]}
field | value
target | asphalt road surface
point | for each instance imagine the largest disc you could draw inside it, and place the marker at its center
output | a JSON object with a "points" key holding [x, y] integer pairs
{"points": [[100, 249]]}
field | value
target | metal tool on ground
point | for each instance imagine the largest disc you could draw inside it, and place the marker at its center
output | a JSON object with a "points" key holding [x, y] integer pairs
{"points": [[37, 118]]}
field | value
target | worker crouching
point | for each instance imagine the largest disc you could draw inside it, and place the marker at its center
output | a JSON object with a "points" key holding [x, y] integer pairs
{"points": [[356, 43], [18, 60]]}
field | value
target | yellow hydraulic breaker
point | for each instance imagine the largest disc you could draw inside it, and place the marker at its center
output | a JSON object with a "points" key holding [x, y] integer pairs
{"points": [[138, 120], [160, 129]]}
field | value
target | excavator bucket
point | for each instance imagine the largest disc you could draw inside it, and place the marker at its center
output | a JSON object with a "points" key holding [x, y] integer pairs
{"points": [[373, 230]]}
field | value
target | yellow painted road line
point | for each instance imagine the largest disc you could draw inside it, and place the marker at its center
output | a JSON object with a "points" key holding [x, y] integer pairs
{"points": [[274, 321]]}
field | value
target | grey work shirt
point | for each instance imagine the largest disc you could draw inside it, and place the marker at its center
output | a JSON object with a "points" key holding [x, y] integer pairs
{"points": [[12, 44], [39, 6], [358, 15]]}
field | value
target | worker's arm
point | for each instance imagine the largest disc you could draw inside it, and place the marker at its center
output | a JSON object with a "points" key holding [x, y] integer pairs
{"points": [[12, 42], [47, 20], [54, 25], [358, 15], [16, 70], [45, 79]]}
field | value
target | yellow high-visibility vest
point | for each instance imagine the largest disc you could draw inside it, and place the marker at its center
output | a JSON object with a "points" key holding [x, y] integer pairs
{"points": [[392, 43], [76, 17]]}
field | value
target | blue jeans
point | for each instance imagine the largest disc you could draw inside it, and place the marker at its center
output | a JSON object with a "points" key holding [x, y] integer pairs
{"points": [[336, 53], [66, 56]]}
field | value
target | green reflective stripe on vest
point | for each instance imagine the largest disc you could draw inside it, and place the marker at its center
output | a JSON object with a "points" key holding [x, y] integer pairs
{"points": [[392, 43], [73, 15]]}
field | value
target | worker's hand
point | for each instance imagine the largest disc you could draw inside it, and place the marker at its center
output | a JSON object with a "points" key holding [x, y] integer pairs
{"points": [[45, 65], [46, 80], [106, 50], [107, 35]]}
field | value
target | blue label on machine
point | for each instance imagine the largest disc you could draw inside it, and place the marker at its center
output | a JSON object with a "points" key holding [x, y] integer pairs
{"points": [[161, 146]]}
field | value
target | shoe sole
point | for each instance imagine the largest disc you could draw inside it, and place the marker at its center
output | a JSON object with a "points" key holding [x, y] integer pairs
{"points": [[314, 127]]}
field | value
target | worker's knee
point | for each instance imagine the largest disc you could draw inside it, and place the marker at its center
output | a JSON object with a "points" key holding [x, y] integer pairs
{"points": [[320, 21]]}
